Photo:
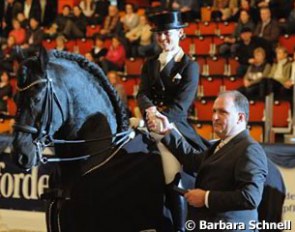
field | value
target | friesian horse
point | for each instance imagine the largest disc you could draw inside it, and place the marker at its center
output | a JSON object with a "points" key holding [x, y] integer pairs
{"points": [[109, 178]]}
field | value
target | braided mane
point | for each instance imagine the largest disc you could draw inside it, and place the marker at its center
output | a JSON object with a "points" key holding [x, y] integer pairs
{"points": [[96, 71]]}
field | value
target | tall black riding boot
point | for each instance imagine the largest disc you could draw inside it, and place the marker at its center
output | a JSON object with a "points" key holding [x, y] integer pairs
{"points": [[176, 204]]}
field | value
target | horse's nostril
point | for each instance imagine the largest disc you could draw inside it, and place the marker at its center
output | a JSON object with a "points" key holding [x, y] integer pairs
{"points": [[22, 160]]}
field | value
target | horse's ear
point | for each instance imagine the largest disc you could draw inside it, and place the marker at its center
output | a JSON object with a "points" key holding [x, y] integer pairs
{"points": [[43, 57]]}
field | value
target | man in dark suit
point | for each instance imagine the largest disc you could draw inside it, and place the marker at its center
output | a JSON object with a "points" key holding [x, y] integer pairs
{"points": [[230, 175], [168, 85]]}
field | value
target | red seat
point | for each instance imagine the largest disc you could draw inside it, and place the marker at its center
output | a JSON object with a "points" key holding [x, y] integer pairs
{"points": [[207, 28], [13, 83], [92, 30], [232, 83], [202, 63], [202, 45], [191, 29], [225, 28], [130, 84], [187, 45], [281, 113], [233, 65], [132, 105], [49, 44], [256, 109], [211, 86], [70, 45], [11, 107], [203, 109], [204, 129], [256, 131], [216, 65], [133, 66], [84, 45], [288, 42]]}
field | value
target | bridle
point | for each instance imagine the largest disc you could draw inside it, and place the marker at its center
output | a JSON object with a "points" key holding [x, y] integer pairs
{"points": [[44, 133]]}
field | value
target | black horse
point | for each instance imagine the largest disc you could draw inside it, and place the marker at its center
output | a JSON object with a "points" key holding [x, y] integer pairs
{"points": [[109, 178]]}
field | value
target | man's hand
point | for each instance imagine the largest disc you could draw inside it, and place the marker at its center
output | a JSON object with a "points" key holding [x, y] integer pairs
{"points": [[158, 123], [196, 197]]}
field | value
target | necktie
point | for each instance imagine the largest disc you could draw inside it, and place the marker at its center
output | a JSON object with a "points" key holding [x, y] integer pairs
{"points": [[219, 146]]}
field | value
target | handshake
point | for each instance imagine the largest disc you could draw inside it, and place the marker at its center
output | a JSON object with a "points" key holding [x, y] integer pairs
{"points": [[157, 122]]}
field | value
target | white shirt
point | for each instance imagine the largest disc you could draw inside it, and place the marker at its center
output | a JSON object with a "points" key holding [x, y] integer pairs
{"points": [[165, 57]]}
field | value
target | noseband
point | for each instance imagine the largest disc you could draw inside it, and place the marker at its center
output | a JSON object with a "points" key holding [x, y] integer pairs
{"points": [[44, 134]]}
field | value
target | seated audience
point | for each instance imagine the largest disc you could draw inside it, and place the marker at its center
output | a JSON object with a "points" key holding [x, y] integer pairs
{"points": [[98, 50], [60, 22], [267, 28], [75, 27], [115, 57], [60, 43], [8, 54], [115, 81], [224, 9], [34, 37], [229, 46], [258, 69], [111, 24], [88, 9], [18, 32], [245, 47], [131, 19], [140, 39], [5, 91]]}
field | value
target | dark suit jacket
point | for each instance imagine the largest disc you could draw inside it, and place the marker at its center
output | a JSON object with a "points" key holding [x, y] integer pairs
{"points": [[172, 96], [234, 175]]}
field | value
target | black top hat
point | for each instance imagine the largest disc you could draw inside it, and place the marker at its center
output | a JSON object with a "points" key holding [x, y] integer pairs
{"points": [[166, 21]]}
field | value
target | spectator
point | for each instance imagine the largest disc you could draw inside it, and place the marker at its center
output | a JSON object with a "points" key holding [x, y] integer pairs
{"points": [[31, 9], [111, 25], [190, 8], [18, 32], [115, 57], [230, 43], [8, 55], [60, 43], [279, 79], [290, 24], [89, 56], [34, 37], [131, 19], [252, 12], [24, 22], [140, 39], [245, 48], [60, 22], [115, 81], [8, 11], [75, 27], [224, 9], [101, 10], [258, 70], [88, 9], [5, 91], [98, 51], [267, 28], [48, 11]]}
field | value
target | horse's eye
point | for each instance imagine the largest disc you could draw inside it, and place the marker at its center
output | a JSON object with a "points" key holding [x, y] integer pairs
{"points": [[36, 100]]}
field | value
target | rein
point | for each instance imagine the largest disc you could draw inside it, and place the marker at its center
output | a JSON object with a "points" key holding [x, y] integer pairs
{"points": [[44, 136]]}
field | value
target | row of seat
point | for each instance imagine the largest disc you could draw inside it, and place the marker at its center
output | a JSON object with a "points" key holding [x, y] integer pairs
{"points": [[210, 28]]}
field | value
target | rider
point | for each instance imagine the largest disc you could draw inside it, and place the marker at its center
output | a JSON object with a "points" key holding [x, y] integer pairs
{"points": [[168, 84]]}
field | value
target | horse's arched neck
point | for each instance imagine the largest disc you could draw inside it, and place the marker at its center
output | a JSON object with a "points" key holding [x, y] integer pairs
{"points": [[86, 101]]}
